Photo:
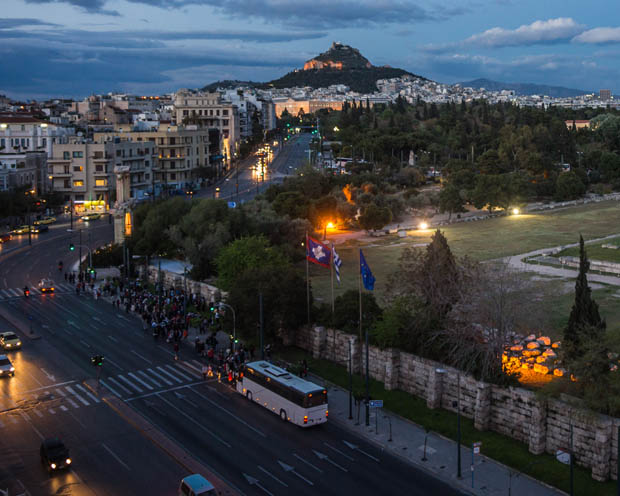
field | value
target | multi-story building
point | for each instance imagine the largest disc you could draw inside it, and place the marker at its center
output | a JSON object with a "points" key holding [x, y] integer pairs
{"points": [[212, 111], [182, 153], [604, 95], [21, 133], [24, 169], [83, 171]]}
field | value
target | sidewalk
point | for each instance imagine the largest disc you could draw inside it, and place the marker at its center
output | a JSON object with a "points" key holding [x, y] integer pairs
{"points": [[490, 477]]}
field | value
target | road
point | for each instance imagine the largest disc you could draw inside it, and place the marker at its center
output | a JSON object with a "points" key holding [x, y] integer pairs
{"points": [[250, 182]]}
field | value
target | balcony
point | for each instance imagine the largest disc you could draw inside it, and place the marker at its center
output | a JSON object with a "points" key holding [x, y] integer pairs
{"points": [[101, 188], [61, 174], [100, 173], [58, 160], [172, 157]]}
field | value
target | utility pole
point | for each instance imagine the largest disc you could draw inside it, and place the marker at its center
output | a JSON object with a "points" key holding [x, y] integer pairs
{"points": [[351, 386], [90, 252], [260, 323], [80, 254], [71, 213], [367, 384], [458, 427]]}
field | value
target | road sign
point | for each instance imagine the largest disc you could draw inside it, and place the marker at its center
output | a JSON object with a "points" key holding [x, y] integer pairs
{"points": [[232, 204], [477, 447], [376, 403]]}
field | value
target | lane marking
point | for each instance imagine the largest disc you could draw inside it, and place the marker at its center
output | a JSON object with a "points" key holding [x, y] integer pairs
{"points": [[191, 419], [340, 452], [145, 359], [52, 411], [177, 371], [131, 384], [174, 378], [271, 475], [118, 384], [85, 343], [165, 349], [35, 429], [38, 413], [75, 395], [78, 420], [115, 456], [307, 462], [156, 393], [134, 376], [63, 408], [113, 339], [109, 360], [105, 384], [146, 376], [88, 393], [160, 377], [72, 403]]}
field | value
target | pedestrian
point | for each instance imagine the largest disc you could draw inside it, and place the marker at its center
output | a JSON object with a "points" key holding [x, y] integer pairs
{"points": [[176, 351], [219, 374], [205, 371]]}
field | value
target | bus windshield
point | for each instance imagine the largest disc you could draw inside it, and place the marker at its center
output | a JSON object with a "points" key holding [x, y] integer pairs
{"points": [[316, 398]]}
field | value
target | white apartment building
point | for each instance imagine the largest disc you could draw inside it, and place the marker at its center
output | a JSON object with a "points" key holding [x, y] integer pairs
{"points": [[182, 153], [28, 168], [26, 133], [83, 171]]}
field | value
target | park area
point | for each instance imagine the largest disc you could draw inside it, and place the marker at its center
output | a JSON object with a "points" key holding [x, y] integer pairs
{"points": [[487, 240]]}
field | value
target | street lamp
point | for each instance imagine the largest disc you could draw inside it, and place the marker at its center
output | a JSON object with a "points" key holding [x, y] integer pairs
{"points": [[226, 305]]}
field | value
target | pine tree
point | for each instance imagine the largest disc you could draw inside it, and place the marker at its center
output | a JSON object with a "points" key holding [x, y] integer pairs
{"points": [[584, 322]]}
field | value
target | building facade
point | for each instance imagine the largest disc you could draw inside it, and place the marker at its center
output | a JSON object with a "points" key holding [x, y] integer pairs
{"points": [[25, 169], [26, 133]]}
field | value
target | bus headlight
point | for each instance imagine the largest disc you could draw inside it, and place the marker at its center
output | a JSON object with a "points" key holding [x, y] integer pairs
{"points": [[53, 465]]}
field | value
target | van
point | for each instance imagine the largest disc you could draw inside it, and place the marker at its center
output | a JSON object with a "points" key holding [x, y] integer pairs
{"points": [[196, 485]]}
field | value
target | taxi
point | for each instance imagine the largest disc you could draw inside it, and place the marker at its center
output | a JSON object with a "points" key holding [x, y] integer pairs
{"points": [[39, 229], [44, 220], [88, 217], [46, 286], [21, 230], [10, 341]]}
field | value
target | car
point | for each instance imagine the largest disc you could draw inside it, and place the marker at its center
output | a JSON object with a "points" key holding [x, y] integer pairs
{"points": [[39, 229], [44, 220], [46, 286], [88, 217], [4, 237], [6, 367], [54, 454], [196, 485], [10, 341], [21, 230]]}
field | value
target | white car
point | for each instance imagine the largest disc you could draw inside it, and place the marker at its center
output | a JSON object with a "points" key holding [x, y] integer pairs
{"points": [[6, 367], [10, 341]]}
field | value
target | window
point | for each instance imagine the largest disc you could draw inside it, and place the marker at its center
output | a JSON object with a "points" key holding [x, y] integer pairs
{"points": [[118, 153], [67, 183], [217, 112], [78, 154], [185, 113], [147, 177], [225, 122], [66, 155], [78, 168], [2, 142], [44, 141], [100, 183], [23, 142], [173, 176], [79, 197], [98, 155], [147, 163], [66, 169], [78, 183], [173, 164], [225, 112], [99, 168]]}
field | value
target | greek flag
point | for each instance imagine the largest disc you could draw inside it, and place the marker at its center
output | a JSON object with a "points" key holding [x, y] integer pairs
{"points": [[337, 264]]}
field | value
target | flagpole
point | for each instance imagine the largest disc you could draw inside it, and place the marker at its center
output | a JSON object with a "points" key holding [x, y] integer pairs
{"points": [[307, 280], [331, 270], [360, 290]]}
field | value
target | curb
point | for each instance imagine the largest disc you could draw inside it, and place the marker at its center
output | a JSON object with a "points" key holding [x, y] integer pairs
{"points": [[25, 329], [162, 441]]}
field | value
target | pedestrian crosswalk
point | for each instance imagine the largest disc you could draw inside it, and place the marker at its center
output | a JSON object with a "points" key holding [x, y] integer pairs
{"points": [[153, 379], [11, 293], [51, 401]]}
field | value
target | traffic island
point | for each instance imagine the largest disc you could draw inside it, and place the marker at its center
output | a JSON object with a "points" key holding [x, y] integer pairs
{"points": [[26, 328], [159, 439]]}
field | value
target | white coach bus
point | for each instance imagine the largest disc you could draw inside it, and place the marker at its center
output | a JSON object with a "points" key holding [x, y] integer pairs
{"points": [[293, 398]]}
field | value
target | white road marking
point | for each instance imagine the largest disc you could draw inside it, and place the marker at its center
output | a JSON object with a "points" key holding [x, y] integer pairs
{"points": [[25, 415], [118, 384], [191, 419], [131, 384], [157, 393], [121, 317], [113, 339], [35, 429], [85, 343], [323, 456], [174, 378], [289, 468], [134, 376], [338, 451], [105, 384], [88, 393], [165, 349], [74, 394], [138, 355], [72, 403], [144, 374], [271, 475], [115, 456], [178, 372], [194, 371], [77, 420], [307, 462], [38, 413], [52, 411], [63, 408], [160, 377], [109, 360]]}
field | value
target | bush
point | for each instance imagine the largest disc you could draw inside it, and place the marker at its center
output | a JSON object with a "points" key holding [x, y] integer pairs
{"points": [[108, 256]]}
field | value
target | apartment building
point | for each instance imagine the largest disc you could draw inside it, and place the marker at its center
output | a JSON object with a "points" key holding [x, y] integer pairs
{"points": [[28, 168], [211, 111], [182, 153], [84, 172], [22, 133]]}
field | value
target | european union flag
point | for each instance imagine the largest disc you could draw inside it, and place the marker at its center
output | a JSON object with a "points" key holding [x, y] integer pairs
{"points": [[367, 278]]}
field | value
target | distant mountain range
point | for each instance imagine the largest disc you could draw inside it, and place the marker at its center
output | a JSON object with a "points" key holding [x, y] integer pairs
{"points": [[524, 88], [341, 64]]}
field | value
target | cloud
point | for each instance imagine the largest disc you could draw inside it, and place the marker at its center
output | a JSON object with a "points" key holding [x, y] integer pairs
{"points": [[90, 6], [599, 36], [11, 23], [561, 29]]}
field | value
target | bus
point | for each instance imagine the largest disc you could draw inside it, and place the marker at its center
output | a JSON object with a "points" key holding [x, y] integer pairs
{"points": [[292, 398]]}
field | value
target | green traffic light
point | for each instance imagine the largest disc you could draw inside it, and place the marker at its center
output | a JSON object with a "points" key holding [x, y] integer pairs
{"points": [[72, 247]]}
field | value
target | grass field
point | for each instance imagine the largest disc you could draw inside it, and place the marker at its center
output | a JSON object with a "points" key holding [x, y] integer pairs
{"points": [[503, 449], [596, 251], [481, 240]]}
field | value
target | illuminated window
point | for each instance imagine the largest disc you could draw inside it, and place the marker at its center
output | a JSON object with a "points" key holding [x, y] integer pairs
{"points": [[78, 183], [101, 182], [78, 168]]}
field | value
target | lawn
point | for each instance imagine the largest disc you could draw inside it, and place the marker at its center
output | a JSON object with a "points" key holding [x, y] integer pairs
{"points": [[503, 449], [596, 251], [481, 240]]}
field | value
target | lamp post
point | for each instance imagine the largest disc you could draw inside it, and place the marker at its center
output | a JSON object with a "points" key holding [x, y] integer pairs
{"points": [[226, 305], [350, 383]]}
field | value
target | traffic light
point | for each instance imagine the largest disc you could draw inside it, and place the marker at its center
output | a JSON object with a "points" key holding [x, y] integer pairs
{"points": [[71, 247], [97, 360], [212, 307], [92, 271]]}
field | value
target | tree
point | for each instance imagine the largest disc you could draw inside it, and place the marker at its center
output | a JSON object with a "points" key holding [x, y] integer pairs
{"points": [[568, 186], [450, 200], [584, 320], [374, 217], [347, 316]]}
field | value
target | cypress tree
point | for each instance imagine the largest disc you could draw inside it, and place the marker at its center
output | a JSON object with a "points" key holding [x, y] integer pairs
{"points": [[584, 321]]}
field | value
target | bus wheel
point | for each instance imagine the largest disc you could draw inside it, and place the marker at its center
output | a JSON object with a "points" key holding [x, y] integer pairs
{"points": [[248, 395], [283, 415]]}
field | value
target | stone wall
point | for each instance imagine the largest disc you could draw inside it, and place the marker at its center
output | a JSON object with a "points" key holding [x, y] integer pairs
{"points": [[170, 279], [543, 424]]}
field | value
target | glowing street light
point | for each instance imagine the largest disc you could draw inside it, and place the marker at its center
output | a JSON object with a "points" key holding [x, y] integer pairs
{"points": [[423, 226], [516, 211]]}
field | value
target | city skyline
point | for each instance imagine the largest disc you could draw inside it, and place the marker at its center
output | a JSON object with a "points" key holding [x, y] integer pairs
{"points": [[74, 48]]}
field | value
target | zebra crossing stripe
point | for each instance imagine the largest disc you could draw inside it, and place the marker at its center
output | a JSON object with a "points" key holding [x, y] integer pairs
{"points": [[72, 403], [38, 413], [174, 378], [119, 385], [131, 384], [88, 393], [163, 379], [142, 373], [52, 411], [4, 293], [14, 291], [196, 368], [177, 371], [63, 408], [134, 376], [105, 384], [1, 424], [73, 393]]}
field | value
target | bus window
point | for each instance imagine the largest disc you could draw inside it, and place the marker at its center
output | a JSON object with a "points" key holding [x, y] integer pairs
{"points": [[315, 398]]}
